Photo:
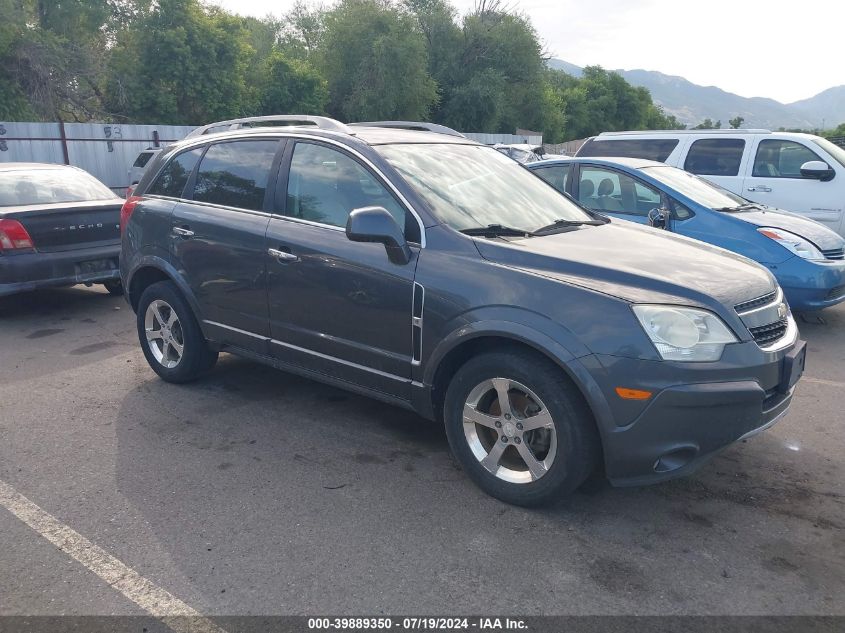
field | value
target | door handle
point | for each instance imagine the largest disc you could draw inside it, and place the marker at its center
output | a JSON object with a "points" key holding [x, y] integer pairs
{"points": [[178, 230], [282, 256], [761, 188]]}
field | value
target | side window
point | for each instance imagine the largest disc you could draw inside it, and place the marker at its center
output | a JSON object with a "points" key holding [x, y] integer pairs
{"points": [[326, 185], [649, 148], [174, 176], [715, 156], [681, 210], [608, 190], [235, 174], [556, 175], [143, 159], [781, 159]]}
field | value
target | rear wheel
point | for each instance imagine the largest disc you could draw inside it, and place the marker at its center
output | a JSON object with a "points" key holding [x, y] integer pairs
{"points": [[170, 336], [520, 428]]}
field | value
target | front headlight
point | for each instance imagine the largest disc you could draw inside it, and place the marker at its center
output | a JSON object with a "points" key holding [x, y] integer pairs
{"points": [[685, 334], [795, 244]]}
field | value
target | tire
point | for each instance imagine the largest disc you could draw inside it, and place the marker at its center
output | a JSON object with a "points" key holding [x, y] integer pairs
{"points": [[114, 287], [564, 442], [163, 303]]}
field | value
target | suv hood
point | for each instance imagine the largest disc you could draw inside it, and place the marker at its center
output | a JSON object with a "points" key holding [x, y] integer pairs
{"points": [[638, 264], [823, 237]]}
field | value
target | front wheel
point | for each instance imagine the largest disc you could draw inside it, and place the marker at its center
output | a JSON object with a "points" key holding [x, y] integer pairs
{"points": [[170, 336], [520, 428]]}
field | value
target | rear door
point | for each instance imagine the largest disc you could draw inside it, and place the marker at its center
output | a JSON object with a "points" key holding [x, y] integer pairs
{"points": [[556, 175], [720, 159], [338, 307], [217, 238], [617, 194], [774, 178]]}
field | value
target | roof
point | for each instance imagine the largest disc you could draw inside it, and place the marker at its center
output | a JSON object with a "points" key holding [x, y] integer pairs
{"points": [[631, 163], [674, 132]]}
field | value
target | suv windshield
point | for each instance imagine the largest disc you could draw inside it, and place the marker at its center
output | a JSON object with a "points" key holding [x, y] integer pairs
{"points": [[48, 186], [695, 188], [834, 150], [472, 186]]}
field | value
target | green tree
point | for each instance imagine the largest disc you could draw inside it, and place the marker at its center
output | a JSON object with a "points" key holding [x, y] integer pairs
{"points": [[708, 124], [291, 86], [375, 61], [736, 122], [182, 63]]}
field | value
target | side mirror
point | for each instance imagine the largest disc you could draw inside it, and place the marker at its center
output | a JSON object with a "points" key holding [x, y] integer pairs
{"points": [[817, 169], [657, 218], [375, 224]]}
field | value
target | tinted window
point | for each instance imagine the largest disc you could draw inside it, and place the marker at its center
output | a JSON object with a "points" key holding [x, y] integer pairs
{"points": [[651, 149], [143, 159], [781, 159], [326, 185], [556, 175], [604, 189], [48, 186], [715, 156], [172, 179], [235, 174]]}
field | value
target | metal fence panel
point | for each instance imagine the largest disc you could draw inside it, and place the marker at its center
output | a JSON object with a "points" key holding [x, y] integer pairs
{"points": [[104, 150], [506, 139]]}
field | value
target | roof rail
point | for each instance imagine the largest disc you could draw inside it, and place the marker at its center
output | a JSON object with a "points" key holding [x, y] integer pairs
{"points": [[705, 131], [321, 122], [420, 126]]}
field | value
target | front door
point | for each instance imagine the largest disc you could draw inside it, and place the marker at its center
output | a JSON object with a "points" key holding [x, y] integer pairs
{"points": [[218, 239], [775, 179], [337, 307]]}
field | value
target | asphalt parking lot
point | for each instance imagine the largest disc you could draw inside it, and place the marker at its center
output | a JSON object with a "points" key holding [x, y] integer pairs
{"points": [[256, 492]]}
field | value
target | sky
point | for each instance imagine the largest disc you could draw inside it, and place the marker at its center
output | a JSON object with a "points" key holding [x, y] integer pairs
{"points": [[784, 50]]}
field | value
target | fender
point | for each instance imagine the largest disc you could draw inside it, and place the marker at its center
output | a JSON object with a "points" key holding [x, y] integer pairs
{"points": [[158, 262], [547, 337]]}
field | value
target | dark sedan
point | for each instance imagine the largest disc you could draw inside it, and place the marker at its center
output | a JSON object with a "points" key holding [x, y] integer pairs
{"points": [[59, 226]]}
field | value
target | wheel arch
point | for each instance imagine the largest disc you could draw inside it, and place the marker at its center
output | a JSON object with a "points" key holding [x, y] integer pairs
{"points": [[454, 351], [150, 270]]}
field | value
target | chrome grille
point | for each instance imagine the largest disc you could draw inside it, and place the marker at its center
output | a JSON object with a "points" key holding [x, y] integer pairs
{"points": [[834, 253], [767, 318], [755, 303], [768, 334]]}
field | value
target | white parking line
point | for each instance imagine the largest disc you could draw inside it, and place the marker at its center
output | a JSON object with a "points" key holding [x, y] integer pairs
{"points": [[822, 381], [159, 603]]}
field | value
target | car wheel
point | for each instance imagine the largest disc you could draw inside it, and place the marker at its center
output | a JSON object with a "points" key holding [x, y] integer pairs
{"points": [[170, 336], [520, 428], [114, 287]]}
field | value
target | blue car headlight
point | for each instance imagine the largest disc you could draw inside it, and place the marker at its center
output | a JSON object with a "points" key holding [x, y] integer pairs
{"points": [[795, 244]]}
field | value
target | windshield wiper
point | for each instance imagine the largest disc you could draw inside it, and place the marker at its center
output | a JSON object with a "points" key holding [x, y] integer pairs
{"points": [[496, 230], [561, 225], [742, 207]]}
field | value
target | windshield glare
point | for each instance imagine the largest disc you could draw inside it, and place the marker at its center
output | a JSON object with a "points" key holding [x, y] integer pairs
{"points": [[49, 186], [695, 188], [472, 186], [834, 150]]}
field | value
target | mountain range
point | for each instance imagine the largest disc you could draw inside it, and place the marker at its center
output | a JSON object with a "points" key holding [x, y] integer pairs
{"points": [[692, 103]]}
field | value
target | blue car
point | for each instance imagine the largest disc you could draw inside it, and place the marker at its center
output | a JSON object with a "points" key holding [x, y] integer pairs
{"points": [[807, 258]]}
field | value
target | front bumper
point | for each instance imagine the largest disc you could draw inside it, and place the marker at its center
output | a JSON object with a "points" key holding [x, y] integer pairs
{"points": [[697, 410], [29, 271], [811, 286]]}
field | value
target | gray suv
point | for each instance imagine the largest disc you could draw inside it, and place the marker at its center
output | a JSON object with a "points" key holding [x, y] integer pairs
{"points": [[436, 274]]}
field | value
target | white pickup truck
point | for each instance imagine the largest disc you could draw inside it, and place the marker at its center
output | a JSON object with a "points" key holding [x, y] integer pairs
{"points": [[801, 173]]}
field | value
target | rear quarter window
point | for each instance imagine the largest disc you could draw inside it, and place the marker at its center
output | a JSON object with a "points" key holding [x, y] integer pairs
{"points": [[172, 179], [715, 156], [143, 159], [657, 149]]}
